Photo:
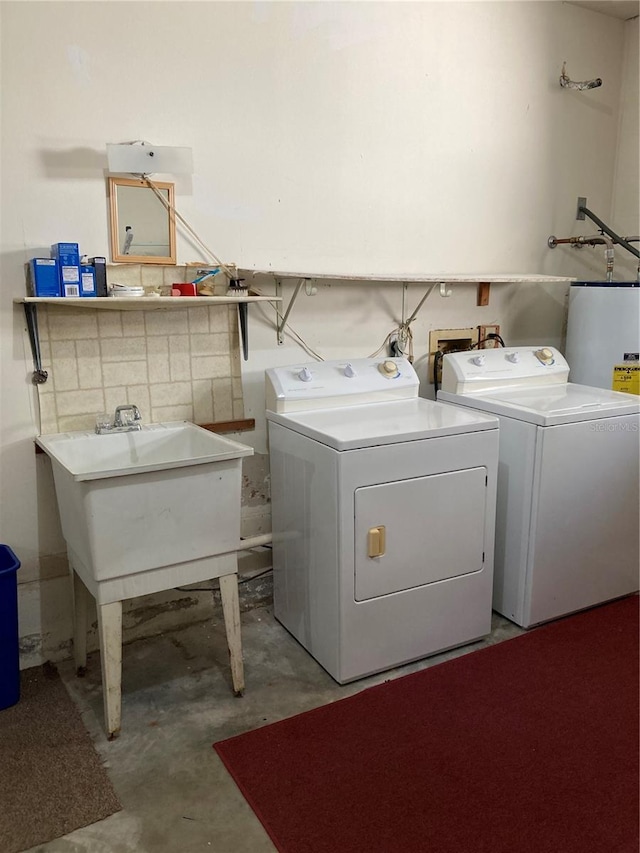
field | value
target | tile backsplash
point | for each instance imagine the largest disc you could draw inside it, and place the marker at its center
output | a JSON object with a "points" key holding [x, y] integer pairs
{"points": [[177, 364]]}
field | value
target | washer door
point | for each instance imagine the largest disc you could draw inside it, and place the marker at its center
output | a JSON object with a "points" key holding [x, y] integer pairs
{"points": [[415, 532]]}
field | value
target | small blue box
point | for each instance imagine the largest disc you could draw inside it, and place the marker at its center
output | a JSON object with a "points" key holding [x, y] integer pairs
{"points": [[87, 281], [59, 249], [68, 258], [44, 278]]}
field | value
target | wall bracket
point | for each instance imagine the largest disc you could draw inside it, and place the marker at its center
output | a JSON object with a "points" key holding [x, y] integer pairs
{"points": [[282, 318], [484, 289], [39, 376]]}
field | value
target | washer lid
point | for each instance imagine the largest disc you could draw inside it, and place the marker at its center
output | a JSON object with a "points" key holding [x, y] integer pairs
{"points": [[550, 405], [383, 423], [609, 285]]}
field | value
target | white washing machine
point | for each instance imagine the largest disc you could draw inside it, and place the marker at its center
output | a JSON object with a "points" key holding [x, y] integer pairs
{"points": [[568, 481], [383, 510]]}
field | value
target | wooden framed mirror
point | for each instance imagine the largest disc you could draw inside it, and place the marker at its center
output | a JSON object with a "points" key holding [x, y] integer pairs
{"points": [[143, 229]]}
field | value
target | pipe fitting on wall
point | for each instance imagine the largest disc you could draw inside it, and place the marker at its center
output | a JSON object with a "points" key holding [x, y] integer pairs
{"points": [[566, 83]]}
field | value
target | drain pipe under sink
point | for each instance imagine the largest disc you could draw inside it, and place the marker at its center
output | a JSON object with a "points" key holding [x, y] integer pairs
{"points": [[255, 541]]}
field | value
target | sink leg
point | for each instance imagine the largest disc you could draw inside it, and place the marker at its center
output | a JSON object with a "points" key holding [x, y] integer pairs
{"points": [[231, 612], [110, 632], [80, 603]]}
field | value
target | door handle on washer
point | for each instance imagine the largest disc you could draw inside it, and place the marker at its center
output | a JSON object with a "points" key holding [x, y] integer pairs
{"points": [[377, 541]]}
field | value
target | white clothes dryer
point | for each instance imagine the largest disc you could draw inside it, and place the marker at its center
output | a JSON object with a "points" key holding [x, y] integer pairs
{"points": [[383, 511], [568, 481]]}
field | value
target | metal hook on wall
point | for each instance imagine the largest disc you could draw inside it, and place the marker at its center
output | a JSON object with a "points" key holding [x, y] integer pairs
{"points": [[566, 83]]}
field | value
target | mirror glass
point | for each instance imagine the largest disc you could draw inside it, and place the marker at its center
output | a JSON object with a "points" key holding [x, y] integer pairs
{"points": [[143, 229]]}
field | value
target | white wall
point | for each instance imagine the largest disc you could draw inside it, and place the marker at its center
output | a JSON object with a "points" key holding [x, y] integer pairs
{"points": [[335, 137], [625, 216]]}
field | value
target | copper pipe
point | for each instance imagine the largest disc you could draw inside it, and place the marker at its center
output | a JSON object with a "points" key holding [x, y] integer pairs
{"points": [[585, 241], [608, 231]]}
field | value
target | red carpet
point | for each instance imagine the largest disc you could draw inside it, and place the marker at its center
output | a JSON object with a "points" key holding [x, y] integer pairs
{"points": [[528, 746]]}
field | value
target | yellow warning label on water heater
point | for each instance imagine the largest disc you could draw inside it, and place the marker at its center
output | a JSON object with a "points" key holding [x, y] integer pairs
{"points": [[626, 378]]}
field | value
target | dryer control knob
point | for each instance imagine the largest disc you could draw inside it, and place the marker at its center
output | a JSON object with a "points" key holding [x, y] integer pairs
{"points": [[545, 355], [479, 360], [349, 370], [513, 357], [389, 369], [305, 374]]}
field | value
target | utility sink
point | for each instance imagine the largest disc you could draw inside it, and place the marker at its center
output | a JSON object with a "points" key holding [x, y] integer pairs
{"points": [[165, 495], [145, 511], [87, 456]]}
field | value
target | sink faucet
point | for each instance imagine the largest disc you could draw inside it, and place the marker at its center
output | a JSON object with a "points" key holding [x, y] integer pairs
{"points": [[131, 420], [126, 419]]}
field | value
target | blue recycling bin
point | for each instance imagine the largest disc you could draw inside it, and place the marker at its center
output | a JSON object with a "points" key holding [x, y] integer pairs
{"points": [[9, 650]]}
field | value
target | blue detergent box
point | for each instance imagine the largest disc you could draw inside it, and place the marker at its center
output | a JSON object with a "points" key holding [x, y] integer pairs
{"points": [[68, 257], [87, 280], [65, 250], [44, 277]]}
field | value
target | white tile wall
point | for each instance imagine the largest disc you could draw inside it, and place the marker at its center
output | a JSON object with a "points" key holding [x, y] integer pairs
{"points": [[174, 365]]}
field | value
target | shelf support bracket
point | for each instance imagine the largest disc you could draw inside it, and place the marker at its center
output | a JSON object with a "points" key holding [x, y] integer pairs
{"points": [[282, 319], [39, 376], [418, 306], [484, 288]]}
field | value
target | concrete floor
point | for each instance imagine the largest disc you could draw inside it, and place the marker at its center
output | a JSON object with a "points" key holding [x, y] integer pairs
{"points": [[176, 795]]}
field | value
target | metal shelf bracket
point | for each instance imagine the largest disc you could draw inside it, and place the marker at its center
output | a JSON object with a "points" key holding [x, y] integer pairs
{"points": [[282, 318], [408, 322], [39, 376]]}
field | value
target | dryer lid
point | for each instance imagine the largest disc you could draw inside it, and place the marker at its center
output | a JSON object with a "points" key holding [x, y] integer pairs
{"points": [[378, 424]]}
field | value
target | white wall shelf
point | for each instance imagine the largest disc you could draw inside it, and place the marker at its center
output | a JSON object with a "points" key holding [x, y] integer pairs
{"points": [[415, 278], [142, 303], [484, 282]]}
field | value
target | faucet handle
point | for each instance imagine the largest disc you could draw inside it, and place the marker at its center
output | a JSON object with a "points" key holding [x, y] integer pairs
{"points": [[104, 422], [126, 415]]}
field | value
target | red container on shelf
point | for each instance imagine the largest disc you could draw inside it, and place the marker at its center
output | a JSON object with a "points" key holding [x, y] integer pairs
{"points": [[184, 288]]}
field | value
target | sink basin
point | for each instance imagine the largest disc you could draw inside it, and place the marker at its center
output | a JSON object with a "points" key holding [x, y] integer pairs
{"points": [[87, 456], [147, 509]]}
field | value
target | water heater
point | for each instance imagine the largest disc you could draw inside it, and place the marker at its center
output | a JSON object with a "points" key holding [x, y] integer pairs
{"points": [[603, 334]]}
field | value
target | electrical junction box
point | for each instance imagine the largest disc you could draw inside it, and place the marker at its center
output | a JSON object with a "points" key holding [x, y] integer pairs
{"points": [[450, 340], [483, 336], [457, 340]]}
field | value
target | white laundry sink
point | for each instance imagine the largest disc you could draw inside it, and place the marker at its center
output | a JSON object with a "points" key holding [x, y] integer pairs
{"points": [[167, 495], [87, 456]]}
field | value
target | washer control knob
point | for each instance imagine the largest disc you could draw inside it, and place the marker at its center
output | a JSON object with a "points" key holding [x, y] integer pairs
{"points": [[479, 360], [305, 375], [513, 357], [389, 369], [545, 355], [349, 370]]}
